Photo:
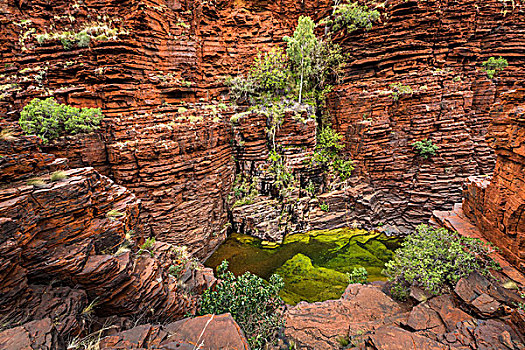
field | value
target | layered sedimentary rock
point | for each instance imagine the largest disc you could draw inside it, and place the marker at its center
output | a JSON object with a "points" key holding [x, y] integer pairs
{"points": [[496, 205], [69, 251], [478, 315], [162, 54], [436, 48]]}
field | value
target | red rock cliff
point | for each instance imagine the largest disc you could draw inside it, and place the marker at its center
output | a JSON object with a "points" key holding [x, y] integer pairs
{"points": [[497, 205]]}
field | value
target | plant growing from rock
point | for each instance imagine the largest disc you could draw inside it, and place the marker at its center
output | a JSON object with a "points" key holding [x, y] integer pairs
{"points": [[351, 16], [358, 275], [254, 304], [435, 260], [399, 90], [494, 65], [300, 49], [49, 119], [58, 176], [425, 148], [147, 246], [327, 154]]}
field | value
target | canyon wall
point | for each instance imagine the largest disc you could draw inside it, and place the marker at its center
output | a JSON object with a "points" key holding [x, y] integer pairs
{"points": [[160, 83], [70, 256], [496, 205], [436, 48]]}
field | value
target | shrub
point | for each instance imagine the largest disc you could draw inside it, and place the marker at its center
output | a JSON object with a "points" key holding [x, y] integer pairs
{"points": [[49, 119], [425, 148], [324, 207], [434, 259], [399, 89], [58, 176], [494, 65], [254, 304], [358, 275], [147, 246], [327, 153], [354, 16]]}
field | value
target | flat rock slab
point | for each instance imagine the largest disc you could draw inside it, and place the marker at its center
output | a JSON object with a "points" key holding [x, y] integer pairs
{"points": [[210, 332]]}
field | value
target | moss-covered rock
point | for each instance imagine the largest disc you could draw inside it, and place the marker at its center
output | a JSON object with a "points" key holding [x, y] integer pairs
{"points": [[304, 281]]}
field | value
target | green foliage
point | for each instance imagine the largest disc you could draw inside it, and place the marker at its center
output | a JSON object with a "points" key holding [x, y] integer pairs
{"points": [[268, 76], [147, 246], [434, 259], [399, 90], [70, 39], [494, 65], [270, 71], [49, 119], [282, 175], [300, 49], [324, 207], [425, 148], [58, 176], [253, 303], [36, 182], [244, 190], [353, 16], [327, 153], [358, 275]]}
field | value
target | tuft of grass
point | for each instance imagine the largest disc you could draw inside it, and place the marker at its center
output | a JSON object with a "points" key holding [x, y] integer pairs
{"points": [[36, 182], [114, 213], [7, 135], [90, 309], [58, 176]]}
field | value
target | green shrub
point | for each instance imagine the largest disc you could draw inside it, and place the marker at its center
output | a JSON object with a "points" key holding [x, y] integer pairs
{"points": [[324, 207], [399, 89], [58, 176], [358, 275], [254, 304], [147, 246], [327, 153], [434, 259], [425, 148], [494, 65], [49, 119], [353, 16]]}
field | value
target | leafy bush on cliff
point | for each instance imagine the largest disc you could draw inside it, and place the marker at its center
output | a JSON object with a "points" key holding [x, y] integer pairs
{"points": [[327, 153], [254, 304], [494, 65], [434, 259], [49, 119], [352, 16], [425, 148]]}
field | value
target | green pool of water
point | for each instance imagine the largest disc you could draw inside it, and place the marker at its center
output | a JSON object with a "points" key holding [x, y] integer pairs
{"points": [[314, 264]]}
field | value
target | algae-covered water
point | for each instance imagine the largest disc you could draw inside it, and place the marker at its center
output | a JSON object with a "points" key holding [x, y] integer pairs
{"points": [[314, 264]]}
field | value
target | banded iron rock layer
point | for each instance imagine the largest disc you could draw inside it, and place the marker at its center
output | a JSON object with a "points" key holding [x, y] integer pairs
{"points": [[62, 254], [170, 54]]}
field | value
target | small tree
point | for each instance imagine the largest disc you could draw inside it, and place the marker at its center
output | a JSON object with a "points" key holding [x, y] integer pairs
{"points": [[300, 50]]}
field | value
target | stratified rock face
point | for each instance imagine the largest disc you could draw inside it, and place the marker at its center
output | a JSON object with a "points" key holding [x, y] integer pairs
{"points": [[497, 205], [79, 231], [163, 53], [367, 318], [436, 48]]}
